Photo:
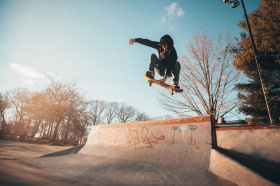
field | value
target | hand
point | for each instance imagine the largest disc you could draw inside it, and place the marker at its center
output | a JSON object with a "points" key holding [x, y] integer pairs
{"points": [[131, 41], [163, 80]]}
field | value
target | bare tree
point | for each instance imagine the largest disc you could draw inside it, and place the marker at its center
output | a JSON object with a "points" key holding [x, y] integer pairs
{"points": [[77, 109], [110, 113], [19, 99], [57, 113], [37, 108], [4, 106], [142, 116], [207, 78], [62, 99], [125, 113], [96, 109]]}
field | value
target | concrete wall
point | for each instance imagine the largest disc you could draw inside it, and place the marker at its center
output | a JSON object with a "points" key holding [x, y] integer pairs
{"points": [[261, 142], [183, 141]]}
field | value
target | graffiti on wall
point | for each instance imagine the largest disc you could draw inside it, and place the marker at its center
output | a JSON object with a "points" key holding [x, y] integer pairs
{"points": [[127, 137], [166, 128], [175, 127], [183, 128], [140, 138], [202, 127]]}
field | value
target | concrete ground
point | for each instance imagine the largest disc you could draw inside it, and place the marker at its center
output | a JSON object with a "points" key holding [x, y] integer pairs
{"points": [[13, 172], [164, 152], [23, 150]]}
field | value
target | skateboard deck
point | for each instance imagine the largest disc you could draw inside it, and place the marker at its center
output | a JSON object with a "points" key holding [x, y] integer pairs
{"points": [[171, 88]]}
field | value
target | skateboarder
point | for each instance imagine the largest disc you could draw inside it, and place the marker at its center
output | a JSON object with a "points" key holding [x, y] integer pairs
{"points": [[166, 64]]}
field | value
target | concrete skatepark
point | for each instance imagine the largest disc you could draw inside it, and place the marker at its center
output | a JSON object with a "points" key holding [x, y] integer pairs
{"points": [[180, 151]]}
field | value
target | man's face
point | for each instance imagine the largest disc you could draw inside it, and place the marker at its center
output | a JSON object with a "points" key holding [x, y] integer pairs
{"points": [[164, 46]]}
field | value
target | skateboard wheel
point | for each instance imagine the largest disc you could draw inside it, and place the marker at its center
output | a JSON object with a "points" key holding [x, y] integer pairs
{"points": [[172, 92], [150, 83]]}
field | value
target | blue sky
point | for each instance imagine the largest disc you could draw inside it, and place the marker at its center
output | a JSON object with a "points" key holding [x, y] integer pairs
{"points": [[87, 40]]}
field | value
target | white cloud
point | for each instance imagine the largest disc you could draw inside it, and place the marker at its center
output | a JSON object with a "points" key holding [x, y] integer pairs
{"points": [[27, 81], [163, 20], [174, 9], [180, 12], [29, 72], [171, 9], [26, 71], [171, 28]]}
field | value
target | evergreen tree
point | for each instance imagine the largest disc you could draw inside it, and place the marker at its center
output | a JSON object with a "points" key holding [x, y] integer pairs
{"points": [[265, 26]]}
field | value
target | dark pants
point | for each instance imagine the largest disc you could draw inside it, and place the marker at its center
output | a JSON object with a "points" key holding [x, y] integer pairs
{"points": [[161, 69]]}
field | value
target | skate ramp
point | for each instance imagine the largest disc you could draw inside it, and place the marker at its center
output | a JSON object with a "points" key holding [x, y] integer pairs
{"points": [[184, 141], [163, 152]]}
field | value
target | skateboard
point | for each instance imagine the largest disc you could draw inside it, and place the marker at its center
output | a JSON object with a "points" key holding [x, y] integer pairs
{"points": [[171, 88]]}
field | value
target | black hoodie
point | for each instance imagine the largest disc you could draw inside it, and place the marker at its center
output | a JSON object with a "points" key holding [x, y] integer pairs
{"points": [[166, 57]]}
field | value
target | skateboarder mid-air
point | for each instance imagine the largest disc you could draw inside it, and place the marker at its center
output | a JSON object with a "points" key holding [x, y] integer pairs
{"points": [[166, 64]]}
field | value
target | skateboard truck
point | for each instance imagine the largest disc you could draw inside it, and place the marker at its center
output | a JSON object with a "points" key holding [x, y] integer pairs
{"points": [[150, 82]]}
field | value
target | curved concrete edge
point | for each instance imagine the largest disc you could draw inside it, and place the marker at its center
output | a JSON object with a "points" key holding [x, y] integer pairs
{"points": [[172, 121], [231, 170]]}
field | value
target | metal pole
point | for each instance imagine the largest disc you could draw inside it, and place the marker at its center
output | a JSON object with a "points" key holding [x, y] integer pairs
{"points": [[265, 91]]}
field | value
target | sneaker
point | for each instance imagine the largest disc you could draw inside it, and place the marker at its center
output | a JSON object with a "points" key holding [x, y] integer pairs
{"points": [[150, 74], [176, 86]]}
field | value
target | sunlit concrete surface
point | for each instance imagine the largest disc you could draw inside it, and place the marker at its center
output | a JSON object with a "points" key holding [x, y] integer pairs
{"points": [[164, 152], [13, 172], [173, 152]]}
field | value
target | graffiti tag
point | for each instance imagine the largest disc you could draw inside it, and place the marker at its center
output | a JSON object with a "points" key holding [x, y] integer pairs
{"points": [[127, 138]]}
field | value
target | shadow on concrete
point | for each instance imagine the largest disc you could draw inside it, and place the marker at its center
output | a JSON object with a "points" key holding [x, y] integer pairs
{"points": [[119, 172], [72, 150], [266, 170]]}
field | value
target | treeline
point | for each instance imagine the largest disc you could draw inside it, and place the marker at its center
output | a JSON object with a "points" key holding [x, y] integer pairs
{"points": [[60, 113]]}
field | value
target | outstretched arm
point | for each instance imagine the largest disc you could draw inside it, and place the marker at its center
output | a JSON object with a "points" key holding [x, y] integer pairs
{"points": [[146, 42]]}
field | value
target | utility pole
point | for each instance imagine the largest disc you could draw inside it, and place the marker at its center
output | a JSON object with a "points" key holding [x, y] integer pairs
{"points": [[235, 3]]}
